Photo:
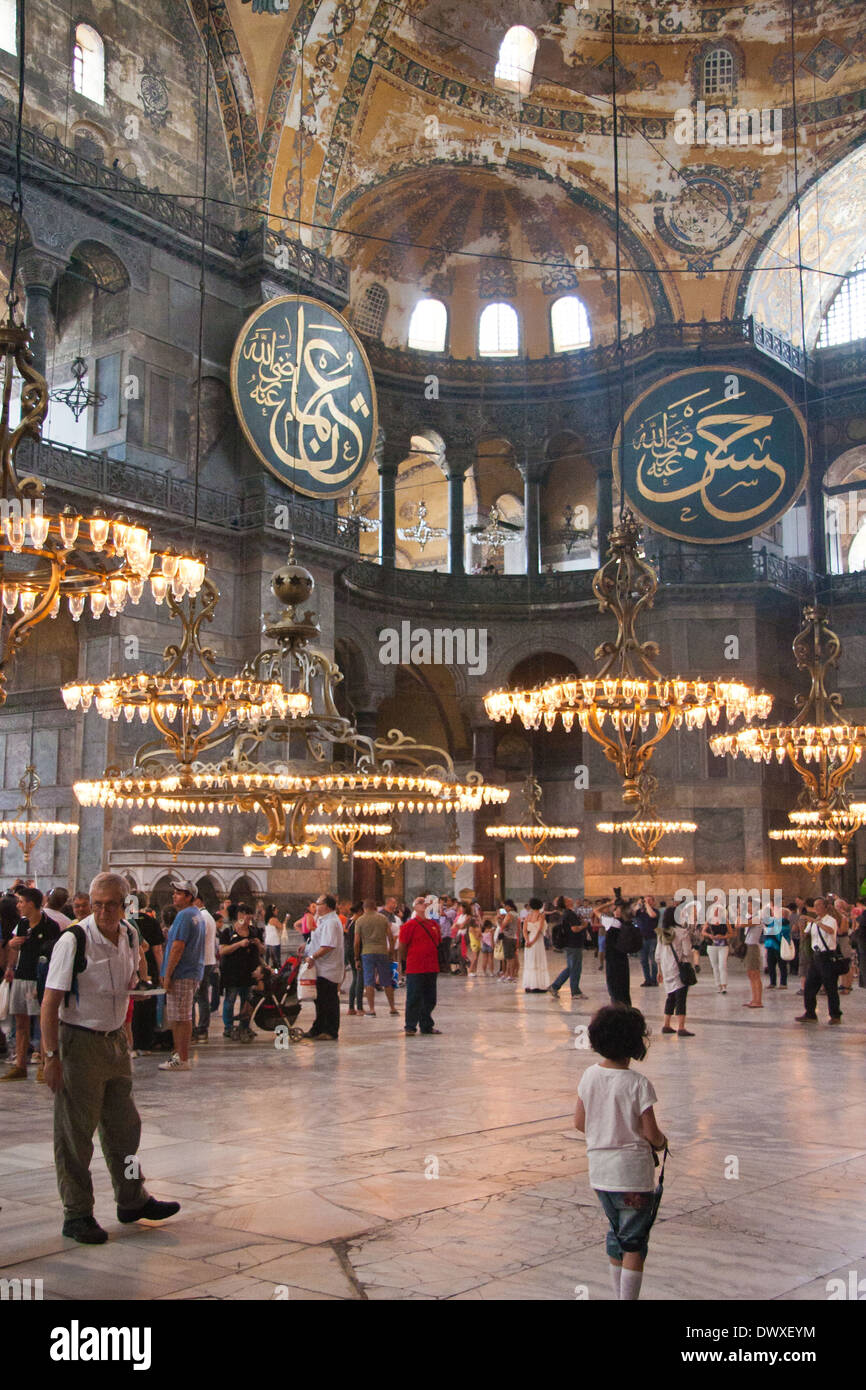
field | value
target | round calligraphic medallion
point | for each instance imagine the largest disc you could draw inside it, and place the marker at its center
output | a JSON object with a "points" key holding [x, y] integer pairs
{"points": [[711, 455], [304, 394]]}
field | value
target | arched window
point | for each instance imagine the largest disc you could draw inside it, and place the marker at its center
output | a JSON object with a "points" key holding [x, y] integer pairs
{"points": [[370, 313], [428, 326], [845, 320], [8, 26], [717, 77], [88, 64], [516, 58], [498, 331], [569, 324]]}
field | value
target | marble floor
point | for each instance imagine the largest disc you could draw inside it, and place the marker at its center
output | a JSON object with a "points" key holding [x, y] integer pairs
{"points": [[387, 1167]]}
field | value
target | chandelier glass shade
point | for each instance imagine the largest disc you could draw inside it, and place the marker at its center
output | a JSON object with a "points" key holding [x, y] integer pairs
{"points": [[627, 706], [176, 835], [821, 744]]}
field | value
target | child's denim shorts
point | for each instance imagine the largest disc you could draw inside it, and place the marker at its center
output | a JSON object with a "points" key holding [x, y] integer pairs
{"points": [[630, 1215]]}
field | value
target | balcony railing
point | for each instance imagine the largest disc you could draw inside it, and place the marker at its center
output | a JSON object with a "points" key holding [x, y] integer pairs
{"points": [[179, 215], [108, 479]]}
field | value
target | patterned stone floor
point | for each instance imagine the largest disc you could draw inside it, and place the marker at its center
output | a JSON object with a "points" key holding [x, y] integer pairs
{"points": [[387, 1167]]}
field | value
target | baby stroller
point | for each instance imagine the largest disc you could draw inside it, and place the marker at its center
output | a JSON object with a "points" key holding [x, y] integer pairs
{"points": [[273, 1002]]}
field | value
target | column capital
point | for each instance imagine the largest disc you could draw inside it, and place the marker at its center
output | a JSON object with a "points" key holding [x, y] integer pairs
{"points": [[534, 470], [39, 270]]}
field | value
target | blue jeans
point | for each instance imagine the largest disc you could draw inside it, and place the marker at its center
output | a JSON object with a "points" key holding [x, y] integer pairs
{"points": [[631, 1214], [356, 988], [232, 993], [647, 960], [572, 971], [203, 997]]}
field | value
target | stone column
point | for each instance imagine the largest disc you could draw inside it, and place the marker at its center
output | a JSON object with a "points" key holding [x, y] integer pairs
{"points": [[387, 512], [38, 274], [488, 875], [817, 526], [456, 470], [604, 509], [532, 520]]}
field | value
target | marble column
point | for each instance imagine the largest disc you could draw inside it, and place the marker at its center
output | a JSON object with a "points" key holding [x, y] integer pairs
{"points": [[532, 520], [456, 470], [488, 875], [38, 274], [387, 512], [817, 523]]}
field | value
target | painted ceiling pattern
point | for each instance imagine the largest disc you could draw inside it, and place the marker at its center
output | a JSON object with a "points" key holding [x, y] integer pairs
{"points": [[322, 103]]}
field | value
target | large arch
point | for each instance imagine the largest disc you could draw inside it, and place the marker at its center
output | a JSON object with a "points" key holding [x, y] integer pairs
{"points": [[832, 235]]}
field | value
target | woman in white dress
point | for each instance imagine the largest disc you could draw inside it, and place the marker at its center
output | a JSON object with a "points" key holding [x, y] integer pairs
{"points": [[536, 977], [674, 946]]}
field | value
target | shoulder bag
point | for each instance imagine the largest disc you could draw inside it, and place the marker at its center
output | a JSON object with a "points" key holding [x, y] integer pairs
{"points": [[835, 959]]}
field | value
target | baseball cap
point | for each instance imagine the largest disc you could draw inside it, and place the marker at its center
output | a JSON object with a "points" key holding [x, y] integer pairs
{"points": [[185, 885]]}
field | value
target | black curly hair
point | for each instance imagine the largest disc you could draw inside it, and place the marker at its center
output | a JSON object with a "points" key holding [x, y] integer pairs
{"points": [[618, 1032]]}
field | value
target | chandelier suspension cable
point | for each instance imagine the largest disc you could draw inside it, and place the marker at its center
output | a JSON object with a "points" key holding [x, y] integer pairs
{"points": [[798, 222], [618, 263], [201, 284], [18, 196]]}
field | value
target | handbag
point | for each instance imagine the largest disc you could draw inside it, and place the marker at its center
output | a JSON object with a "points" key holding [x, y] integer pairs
{"points": [[5, 996], [786, 949], [307, 982], [687, 972], [499, 951]]}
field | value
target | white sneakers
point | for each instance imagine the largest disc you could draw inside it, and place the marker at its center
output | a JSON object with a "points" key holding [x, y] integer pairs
{"points": [[175, 1064]]}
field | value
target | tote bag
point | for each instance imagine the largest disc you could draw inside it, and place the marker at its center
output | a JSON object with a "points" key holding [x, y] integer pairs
{"points": [[786, 949]]}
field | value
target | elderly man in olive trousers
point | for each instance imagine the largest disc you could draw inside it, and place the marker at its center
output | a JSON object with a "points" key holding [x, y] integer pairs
{"points": [[87, 1064]]}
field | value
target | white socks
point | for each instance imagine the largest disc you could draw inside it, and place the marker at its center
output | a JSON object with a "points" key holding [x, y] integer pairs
{"points": [[615, 1278], [630, 1285]]}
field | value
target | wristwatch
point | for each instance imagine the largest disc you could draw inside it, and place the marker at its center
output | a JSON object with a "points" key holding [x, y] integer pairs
{"points": [[48, 1055]]}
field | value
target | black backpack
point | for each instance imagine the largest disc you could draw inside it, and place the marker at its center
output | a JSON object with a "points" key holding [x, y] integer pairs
{"points": [[560, 936], [80, 962], [629, 939]]}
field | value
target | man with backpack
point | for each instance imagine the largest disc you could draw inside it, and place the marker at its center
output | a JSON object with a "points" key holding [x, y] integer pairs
{"points": [[93, 967], [569, 935]]}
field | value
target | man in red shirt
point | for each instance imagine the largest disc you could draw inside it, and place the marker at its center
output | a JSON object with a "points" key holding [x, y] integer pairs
{"points": [[419, 951]]}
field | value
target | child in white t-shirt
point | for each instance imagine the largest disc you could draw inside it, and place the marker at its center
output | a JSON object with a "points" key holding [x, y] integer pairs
{"points": [[615, 1111]]}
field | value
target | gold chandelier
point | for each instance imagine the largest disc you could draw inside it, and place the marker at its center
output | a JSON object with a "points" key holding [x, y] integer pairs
{"points": [[384, 775], [651, 861], [177, 835], [346, 834], [544, 860], [188, 710], [389, 857], [815, 862], [821, 744], [27, 828], [841, 823], [627, 707], [48, 556], [534, 832], [454, 859], [646, 827]]}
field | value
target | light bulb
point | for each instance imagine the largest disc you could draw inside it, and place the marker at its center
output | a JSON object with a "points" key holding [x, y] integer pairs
{"points": [[39, 526], [99, 531], [98, 600], [159, 587]]}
